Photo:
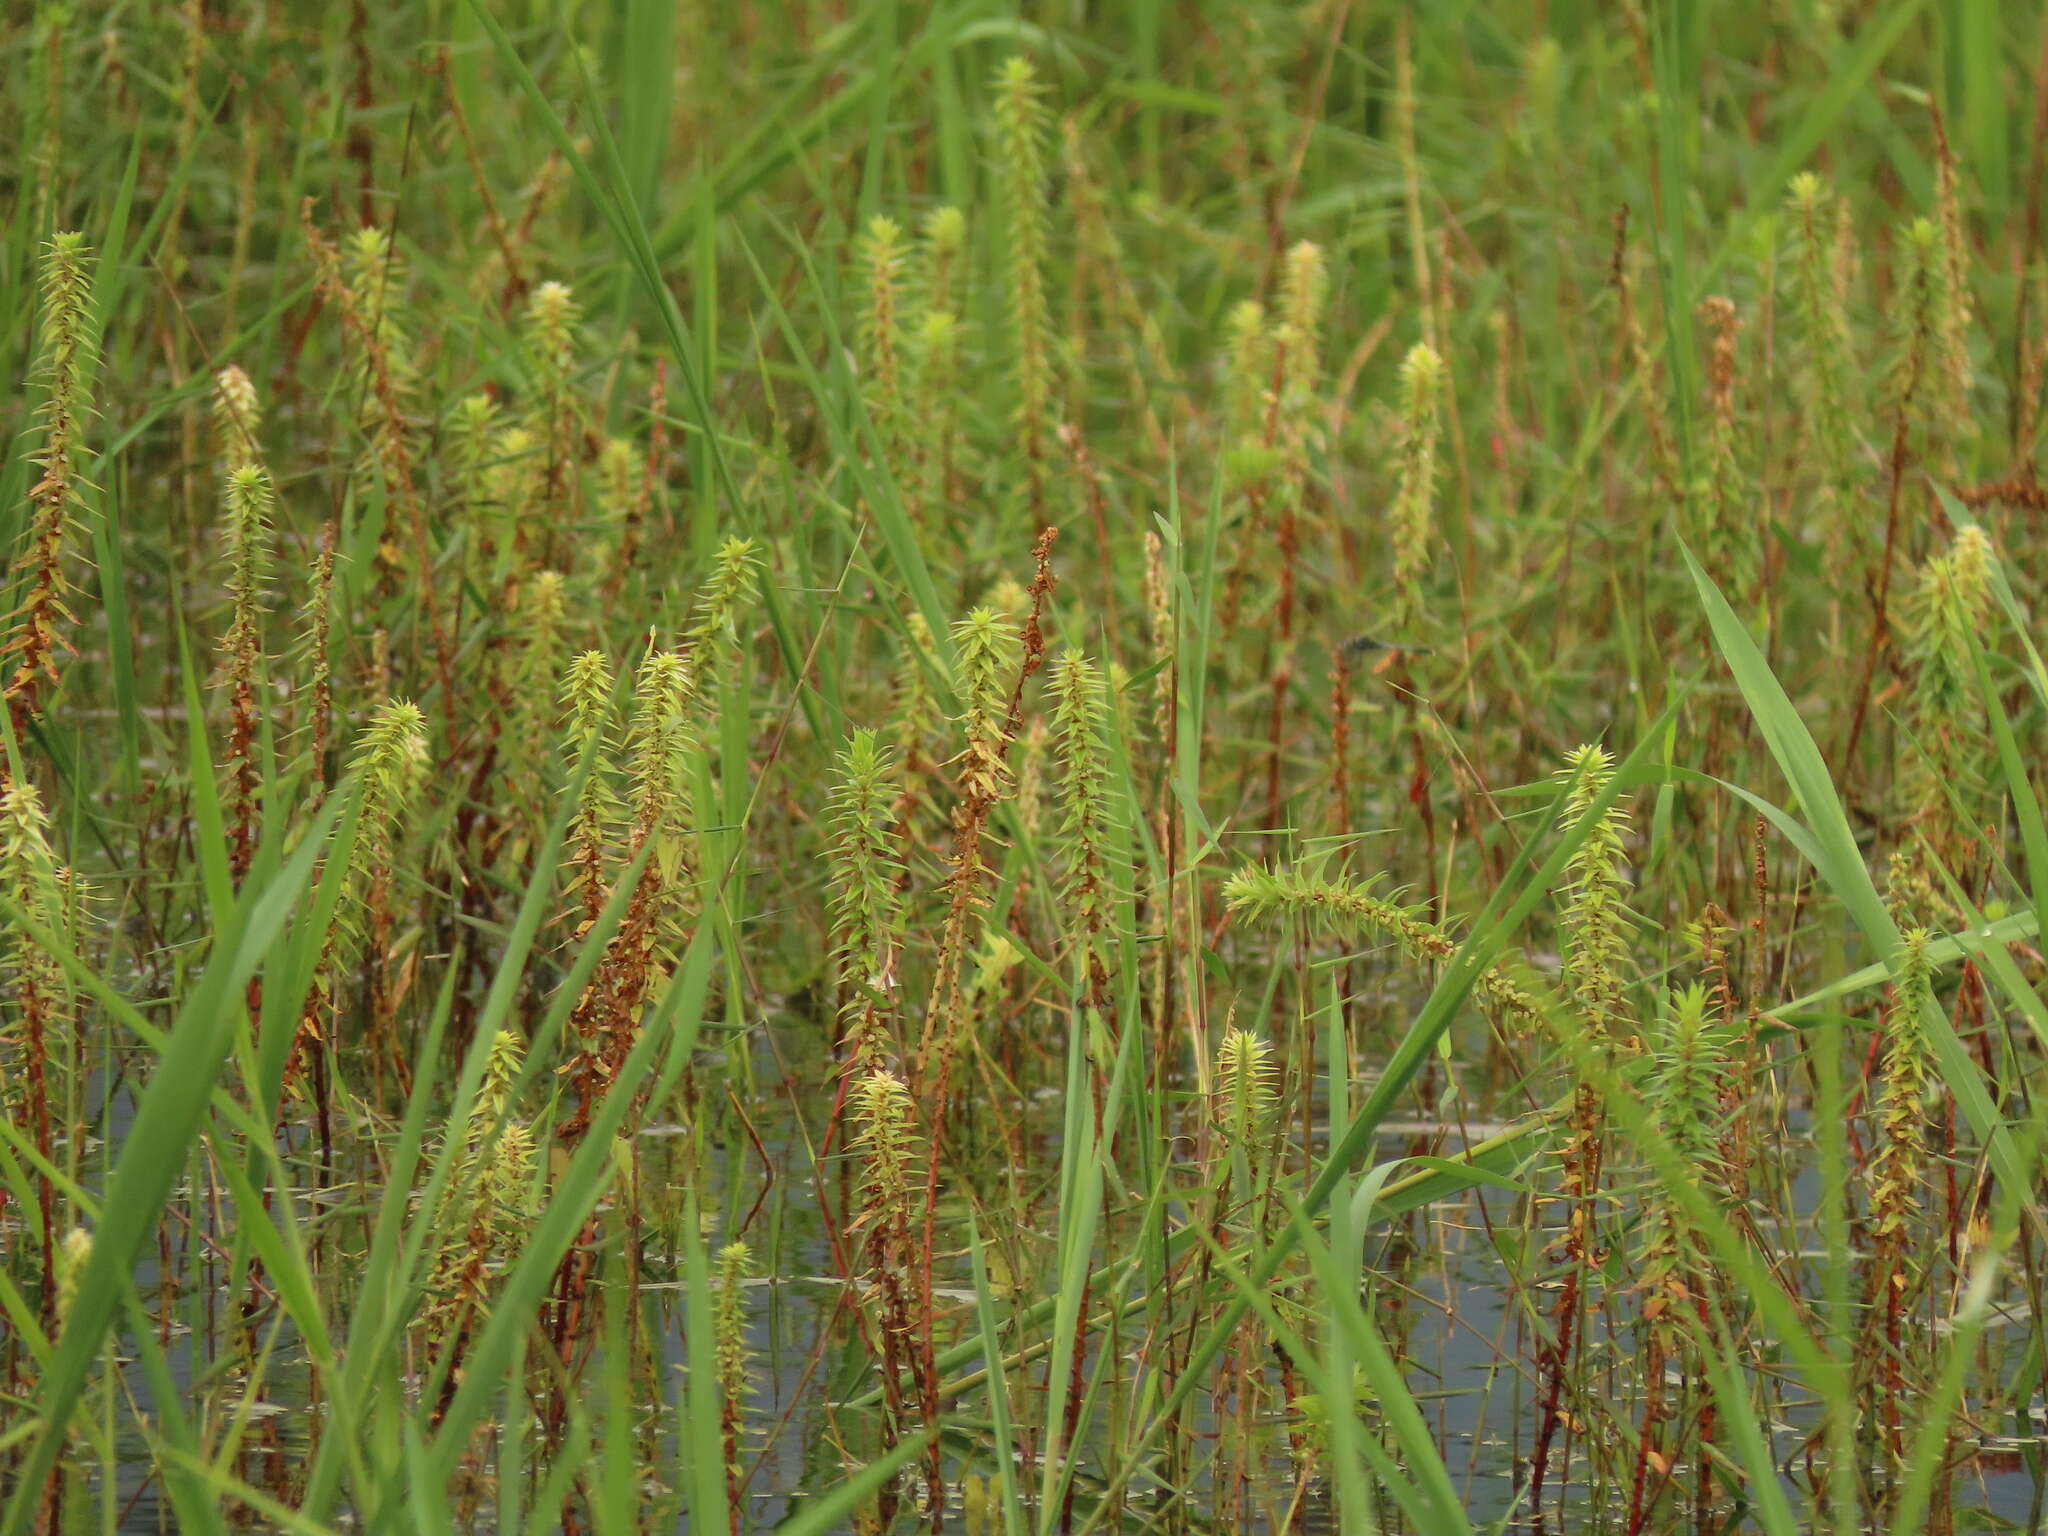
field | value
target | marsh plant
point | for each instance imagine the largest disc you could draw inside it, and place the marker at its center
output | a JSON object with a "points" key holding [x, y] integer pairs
{"points": [[853, 767]]}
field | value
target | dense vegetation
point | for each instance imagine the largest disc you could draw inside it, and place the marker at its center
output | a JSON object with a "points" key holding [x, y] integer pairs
{"points": [[1033, 767]]}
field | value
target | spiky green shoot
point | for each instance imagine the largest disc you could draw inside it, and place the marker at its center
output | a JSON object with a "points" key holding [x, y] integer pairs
{"points": [[866, 900], [945, 238], [237, 417], [735, 1361], [474, 477], [1901, 1250], [713, 641], [658, 741], [1415, 493], [1952, 302], [1249, 394], [1247, 1090], [552, 316], [57, 497], [391, 761], [487, 1204], [531, 665], [247, 536], [1948, 759], [1265, 895], [984, 654], [587, 696], [621, 489], [638, 958], [1595, 926], [1725, 527], [1086, 893], [386, 372], [314, 661], [915, 709], [72, 1257], [934, 447], [1596, 922], [1897, 1165], [888, 1152], [882, 257], [1159, 629], [1684, 1094], [1823, 380], [1913, 319], [376, 280], [983, 643], [1304, 295], [45, 1018]]}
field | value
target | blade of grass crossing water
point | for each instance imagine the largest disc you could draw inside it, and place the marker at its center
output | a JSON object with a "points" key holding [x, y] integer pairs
{"points": [[1001, 1430], [1838, 858], [167, 1121], [1530, 881], [704, 1472]]}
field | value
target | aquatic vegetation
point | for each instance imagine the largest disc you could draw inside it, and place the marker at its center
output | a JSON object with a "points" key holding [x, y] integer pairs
{"points": [[851, 767]]}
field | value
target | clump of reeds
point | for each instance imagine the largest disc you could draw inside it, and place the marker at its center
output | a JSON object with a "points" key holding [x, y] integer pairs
{"points": [[1020, 170], [466, 428]]}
